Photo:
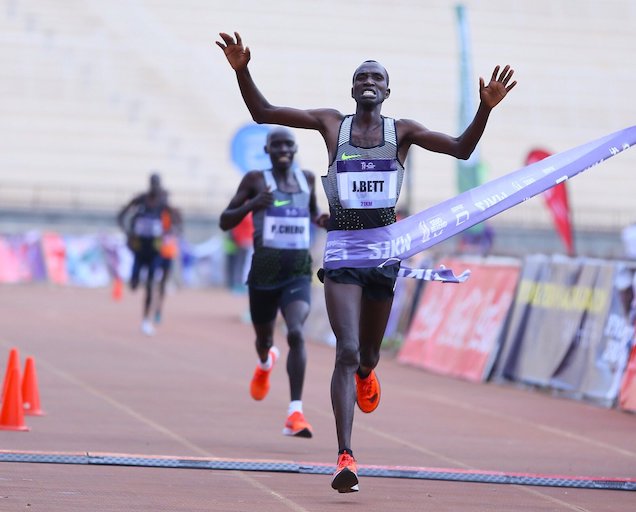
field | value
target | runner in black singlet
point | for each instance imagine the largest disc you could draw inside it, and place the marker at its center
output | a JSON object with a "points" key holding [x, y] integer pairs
{"points": [[141, 221], [361, 197], [283, 203]]}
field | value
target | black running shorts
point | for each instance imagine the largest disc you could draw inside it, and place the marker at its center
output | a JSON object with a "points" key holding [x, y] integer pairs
{"points": [[377, 283], [265, 303]]}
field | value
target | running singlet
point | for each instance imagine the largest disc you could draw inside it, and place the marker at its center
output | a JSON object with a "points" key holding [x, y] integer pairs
{"points": [[146, 227], [363, 184], [281, 236], [147, 224]]}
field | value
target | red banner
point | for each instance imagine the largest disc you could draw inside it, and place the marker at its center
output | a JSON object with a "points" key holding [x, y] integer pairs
{"points": [[556, 199], [9, 263], [627, 396], [456, 328], [14, 260], [54, 252]]}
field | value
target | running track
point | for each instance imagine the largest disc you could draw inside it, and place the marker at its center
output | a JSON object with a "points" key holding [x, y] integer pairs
{"points": [[167, 424]]}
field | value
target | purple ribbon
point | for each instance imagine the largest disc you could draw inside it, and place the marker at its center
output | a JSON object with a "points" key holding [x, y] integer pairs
{"points": [[442, 274], [391, 244]]}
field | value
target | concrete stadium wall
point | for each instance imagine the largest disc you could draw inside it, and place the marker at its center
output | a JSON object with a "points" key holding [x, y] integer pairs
{"points": [[98, 93]]}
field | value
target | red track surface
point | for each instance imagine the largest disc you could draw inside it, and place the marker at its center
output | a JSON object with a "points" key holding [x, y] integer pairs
{"points": [[184, 393]]}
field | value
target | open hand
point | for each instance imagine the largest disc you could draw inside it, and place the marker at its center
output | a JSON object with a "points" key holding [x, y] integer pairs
{"points": [[237, 55], [497, 88]]}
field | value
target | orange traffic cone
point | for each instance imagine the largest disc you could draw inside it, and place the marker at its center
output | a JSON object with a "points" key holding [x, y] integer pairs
{"points": [[12, 363], [118, 288], [12, 413], [30, 393]]}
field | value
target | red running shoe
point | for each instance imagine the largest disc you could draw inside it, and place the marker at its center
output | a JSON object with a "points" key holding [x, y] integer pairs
{"points": [[260, 381], [297, 426], [345, 479], [368, 392]]}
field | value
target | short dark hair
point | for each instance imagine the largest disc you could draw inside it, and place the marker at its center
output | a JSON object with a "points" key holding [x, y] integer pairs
{"points": [[386, 73], [276, 129]]}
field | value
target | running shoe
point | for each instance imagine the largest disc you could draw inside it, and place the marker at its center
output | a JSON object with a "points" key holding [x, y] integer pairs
{"points": [[260, 381], [147, 327], [297, 426], [345, 479], [368, 392]]}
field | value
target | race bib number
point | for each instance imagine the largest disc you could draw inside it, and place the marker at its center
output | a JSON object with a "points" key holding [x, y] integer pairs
{"points": [[367, 183], [147, 227], [286, 228]]}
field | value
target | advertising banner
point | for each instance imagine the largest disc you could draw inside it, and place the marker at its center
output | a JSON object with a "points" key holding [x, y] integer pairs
{"points": [[608, 351], [512, 333], [595, 282], [117, 256], [569, 329], [456, 328], [12, 268], [33, 255], [558, 302], [86, 262], [627, 397], [54, 253]]}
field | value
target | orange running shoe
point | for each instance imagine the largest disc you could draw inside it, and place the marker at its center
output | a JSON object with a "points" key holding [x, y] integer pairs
{"points": [[368, 392], [345, 479], [260, 381], [297, 426]]}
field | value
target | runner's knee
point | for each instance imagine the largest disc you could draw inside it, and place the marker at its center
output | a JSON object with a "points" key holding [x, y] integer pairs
{"points": [[347, 355], [369, 358], [295, 338]]}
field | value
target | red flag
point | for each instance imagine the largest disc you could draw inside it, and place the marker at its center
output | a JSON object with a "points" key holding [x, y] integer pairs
{"points": [[556, 199]]}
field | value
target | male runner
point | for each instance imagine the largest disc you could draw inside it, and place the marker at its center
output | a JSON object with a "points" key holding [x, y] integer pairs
{"points": [[283, 203], [361, 197], [141, 221]]}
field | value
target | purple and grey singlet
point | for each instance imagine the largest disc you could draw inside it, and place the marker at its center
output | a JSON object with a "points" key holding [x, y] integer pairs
{"points": [[362, 185]]}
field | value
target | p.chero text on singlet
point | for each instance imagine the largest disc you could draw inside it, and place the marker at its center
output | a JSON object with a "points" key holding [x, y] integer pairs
{"points": [[281, 235]]}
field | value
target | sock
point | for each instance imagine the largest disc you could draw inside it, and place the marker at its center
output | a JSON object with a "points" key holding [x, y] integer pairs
{"points": [[267, 365], [295, 406], [345, 450]]}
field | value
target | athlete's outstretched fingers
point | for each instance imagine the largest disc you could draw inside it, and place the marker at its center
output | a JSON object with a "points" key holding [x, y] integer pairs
{"points": [[504, 72], [227, 38], [494, 73]]}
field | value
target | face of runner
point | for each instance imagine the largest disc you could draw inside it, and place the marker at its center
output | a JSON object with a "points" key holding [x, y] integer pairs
{"points": [[155, 184], [370, 84], [281, 148]]}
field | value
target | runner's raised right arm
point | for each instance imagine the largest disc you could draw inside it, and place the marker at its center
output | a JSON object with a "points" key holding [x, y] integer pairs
{"points": [[324, 120]]}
